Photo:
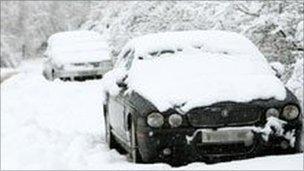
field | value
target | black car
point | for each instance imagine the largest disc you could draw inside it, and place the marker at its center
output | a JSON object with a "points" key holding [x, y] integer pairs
{"points": [[197, 96]]}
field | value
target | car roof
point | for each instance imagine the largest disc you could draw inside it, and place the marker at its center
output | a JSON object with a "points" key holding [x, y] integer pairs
{"points": [[209, 40], [72, 36]]}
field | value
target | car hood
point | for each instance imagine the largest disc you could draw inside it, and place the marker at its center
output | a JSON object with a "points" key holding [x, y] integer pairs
{"points": [[195, 80], [258, 106]]}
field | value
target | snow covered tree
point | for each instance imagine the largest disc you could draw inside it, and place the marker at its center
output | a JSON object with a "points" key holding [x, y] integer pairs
{"points": [[275, 27], [26, 25]]}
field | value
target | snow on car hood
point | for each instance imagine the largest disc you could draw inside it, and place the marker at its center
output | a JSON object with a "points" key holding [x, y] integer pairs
{"points": [[194, 78]]}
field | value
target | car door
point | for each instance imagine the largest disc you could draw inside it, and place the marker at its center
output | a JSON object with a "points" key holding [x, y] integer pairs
{"points": [[116, 116], [117, 108]]}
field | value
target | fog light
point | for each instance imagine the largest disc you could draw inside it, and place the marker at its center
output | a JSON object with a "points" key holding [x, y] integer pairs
{"points": [[272, 112], [167, 151], [175, 120], [284, 144]]}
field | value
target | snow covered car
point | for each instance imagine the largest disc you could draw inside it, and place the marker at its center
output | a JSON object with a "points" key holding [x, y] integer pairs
{"points": [[177, 97], [76, 55]]}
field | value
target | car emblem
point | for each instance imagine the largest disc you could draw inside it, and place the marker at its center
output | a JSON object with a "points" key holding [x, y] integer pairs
{"points": [[225, 113]]}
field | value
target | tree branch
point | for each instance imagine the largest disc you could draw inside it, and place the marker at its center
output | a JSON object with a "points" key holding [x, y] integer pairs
{"points": [[246, 11]]}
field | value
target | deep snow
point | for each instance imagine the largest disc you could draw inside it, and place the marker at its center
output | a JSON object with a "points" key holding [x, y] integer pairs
{"points": [[59, 125]]}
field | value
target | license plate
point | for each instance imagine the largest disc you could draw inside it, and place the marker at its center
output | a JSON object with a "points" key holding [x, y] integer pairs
{"points": [[211, 136]]}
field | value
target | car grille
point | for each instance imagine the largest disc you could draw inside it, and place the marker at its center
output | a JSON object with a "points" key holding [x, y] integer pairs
{"points": [[95, 64], [224, 115]]}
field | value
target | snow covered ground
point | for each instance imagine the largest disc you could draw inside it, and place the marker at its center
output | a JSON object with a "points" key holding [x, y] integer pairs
{"points": [[59, 125]]}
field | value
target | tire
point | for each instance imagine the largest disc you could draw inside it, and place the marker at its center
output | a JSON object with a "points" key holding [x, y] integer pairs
{"points": [[134, 155], [110, 140], [299, 143]]}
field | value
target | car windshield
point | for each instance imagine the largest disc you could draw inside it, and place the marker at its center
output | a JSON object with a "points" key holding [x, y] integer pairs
{"points": [[164, 52]]}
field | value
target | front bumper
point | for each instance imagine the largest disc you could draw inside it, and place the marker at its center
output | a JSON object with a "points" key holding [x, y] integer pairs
{"points": [[80, 73], [183, 145]]}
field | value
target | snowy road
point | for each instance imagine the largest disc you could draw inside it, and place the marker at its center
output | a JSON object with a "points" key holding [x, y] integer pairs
{"points": [[59, 125]]}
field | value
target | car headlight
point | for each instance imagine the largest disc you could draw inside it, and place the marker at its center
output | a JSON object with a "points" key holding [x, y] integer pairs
{"points": [[175, 120], [272, 112], [155, 120], [290, 112]]}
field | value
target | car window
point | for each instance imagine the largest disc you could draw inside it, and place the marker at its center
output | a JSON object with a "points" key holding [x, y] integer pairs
{"points": [[129, 60], [159, 53], [122, 57], [166, 51], [153, 53], [126, 54]]}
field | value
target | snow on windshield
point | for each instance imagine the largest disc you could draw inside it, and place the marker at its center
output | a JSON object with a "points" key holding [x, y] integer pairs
{"points": [[77, 46], [219, 66]]}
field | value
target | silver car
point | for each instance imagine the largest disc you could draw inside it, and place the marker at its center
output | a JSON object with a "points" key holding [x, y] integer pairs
{"points": [[76, 55]]}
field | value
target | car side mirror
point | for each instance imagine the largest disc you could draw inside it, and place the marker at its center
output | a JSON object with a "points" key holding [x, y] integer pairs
{"points": [[122, 85], [278, 68]]}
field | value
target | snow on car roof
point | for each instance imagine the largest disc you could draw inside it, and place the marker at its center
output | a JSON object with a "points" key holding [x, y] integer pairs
{"points": [[72, 36], [213, 66], [77, 46], [210, 40]]}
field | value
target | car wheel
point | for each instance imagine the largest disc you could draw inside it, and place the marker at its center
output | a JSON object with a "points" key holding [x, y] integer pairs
{"points": [[109, 135], [134, 154], [299, 146]]}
